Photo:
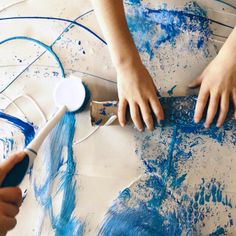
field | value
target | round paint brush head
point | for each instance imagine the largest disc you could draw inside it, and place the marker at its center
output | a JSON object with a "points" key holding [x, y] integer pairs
{"points": [[70, 93]]}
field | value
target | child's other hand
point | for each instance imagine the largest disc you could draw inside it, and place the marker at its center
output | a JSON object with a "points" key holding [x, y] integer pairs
{"points": [[136, 89], [218, 85], [10, 198]]}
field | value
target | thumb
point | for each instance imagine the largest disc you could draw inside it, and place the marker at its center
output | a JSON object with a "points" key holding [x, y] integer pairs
{"points": [[9, 163], [195, 83]]}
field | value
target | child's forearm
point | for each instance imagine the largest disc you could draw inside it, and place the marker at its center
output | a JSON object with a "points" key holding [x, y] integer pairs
{"points": [[111, 17]]}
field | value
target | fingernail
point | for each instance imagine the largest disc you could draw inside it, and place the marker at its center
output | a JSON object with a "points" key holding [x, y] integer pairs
{"points": [[196, 120], [218, 125], [207, 126]]}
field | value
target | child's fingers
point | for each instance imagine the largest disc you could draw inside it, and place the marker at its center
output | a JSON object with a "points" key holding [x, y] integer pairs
{"points": [[224, 107], [7, 223], [9, 210], [9, 163], [11, 195], [122, 111], [135, 115], [157, 109], [146, 115], [212, 109], [234, 102], [200, 106]]}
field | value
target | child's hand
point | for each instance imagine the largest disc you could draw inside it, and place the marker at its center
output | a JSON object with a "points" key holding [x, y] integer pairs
{"points": [[136, 89], [218, 84], [10, 198]]}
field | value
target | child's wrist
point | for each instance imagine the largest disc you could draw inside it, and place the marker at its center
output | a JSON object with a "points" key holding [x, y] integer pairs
{"points": [[127, 61]]}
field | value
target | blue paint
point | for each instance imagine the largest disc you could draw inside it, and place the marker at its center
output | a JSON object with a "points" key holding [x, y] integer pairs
{"points": [[171, 91], [152, 28], [25, 128], [160, 204], [63, 223], [48, 48], [226, 3], [218, 231], [55, 19]]}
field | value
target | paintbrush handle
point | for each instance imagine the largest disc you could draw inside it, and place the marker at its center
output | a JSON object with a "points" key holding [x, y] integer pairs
{"points": [[35, 144], [18, 172], [15, 176]]}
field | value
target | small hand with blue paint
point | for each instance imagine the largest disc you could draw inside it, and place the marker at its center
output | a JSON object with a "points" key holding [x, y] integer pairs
{"points": [[218, 85], [10, 198]]}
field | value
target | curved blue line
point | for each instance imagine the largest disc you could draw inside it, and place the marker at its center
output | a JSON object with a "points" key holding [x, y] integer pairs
{"points": [[39, 43], [225, 3], [54, 18]]}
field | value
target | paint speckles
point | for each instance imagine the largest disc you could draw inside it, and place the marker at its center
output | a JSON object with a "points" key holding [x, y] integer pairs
{"points": [[151, 28]]}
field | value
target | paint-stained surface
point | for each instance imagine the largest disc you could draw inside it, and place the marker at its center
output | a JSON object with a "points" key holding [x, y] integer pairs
{"points": [[177, 180]]}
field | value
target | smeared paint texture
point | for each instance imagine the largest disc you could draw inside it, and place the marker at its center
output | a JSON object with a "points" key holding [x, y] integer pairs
{"points": [[25, 128], [59, 165], [165, 201], [152, 28]]}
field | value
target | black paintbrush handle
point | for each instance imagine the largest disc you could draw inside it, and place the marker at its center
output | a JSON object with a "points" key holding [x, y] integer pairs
{"points": [[16, 174]]}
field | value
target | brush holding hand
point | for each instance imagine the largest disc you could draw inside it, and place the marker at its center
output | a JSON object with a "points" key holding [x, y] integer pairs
{"points": [[10, 197]]}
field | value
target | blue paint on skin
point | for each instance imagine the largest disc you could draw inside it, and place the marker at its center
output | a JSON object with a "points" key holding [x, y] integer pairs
{"points": [[25, 128], [63, 223]]}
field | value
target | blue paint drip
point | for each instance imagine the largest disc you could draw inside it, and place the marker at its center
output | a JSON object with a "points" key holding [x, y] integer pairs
{"points": [[26, 129], [64, 223]]}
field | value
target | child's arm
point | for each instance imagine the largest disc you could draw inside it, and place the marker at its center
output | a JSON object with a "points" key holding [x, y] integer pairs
{"points": [[218, 84], [135, 85], [10, 198]]}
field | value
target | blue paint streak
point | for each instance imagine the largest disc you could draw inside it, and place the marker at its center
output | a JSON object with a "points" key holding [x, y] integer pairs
{"points": [[226, 3], [26, 129], [48, 48], [54, 18], [63, 223]]}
